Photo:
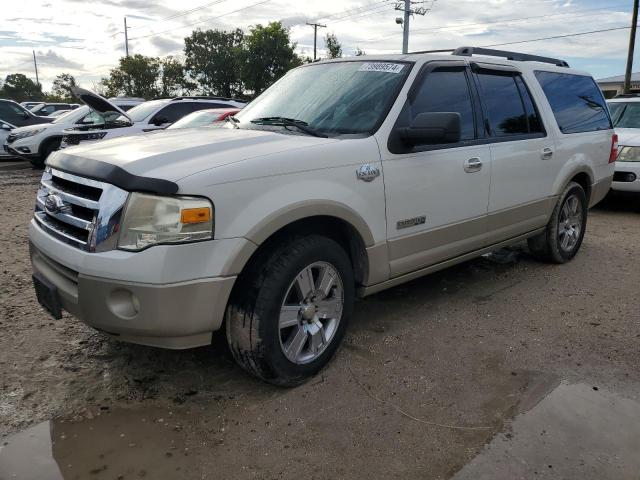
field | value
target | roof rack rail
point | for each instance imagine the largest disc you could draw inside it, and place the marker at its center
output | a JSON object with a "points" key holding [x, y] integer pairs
{"points": [[204, 97], [518, 57], [627, 95], [445, 50]]}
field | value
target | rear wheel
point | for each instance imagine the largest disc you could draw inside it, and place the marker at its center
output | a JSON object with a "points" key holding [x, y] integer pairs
{"points": [[290, 311], [564, 233]]}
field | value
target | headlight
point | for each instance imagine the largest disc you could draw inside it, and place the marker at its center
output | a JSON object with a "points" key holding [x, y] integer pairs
{"points": [[629, 154], [152, 220], [29, 133]]}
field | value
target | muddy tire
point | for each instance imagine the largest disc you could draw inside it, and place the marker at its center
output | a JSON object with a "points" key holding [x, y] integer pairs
{"points": [[288, 314], [563, 235]]}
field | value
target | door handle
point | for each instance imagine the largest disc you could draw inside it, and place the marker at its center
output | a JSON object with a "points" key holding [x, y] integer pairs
{"points": [[547, 153], [473, 165]]}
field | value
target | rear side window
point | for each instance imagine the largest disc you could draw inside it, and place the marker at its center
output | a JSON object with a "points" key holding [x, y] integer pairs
{"points": [[447, 90], [576, 101], [509, 106], [172, 112]]}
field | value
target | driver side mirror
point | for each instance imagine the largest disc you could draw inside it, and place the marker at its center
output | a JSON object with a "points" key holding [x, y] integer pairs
{"points": [[25, 115], [432, 128]]}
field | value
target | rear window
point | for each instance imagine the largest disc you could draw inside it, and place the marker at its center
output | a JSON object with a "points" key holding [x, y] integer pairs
{"points": [[576, 101]]}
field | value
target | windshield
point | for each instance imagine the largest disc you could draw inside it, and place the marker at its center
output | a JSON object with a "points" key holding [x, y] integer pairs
{"points": [[625, 114], [142, 111], [196, 119], [332, 98], [78, 112]]}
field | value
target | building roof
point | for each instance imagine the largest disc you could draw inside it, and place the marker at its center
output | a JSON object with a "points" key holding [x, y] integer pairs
{"points": [[635, 77]]}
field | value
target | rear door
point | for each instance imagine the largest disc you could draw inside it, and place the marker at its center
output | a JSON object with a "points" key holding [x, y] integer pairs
{"points": [[436, 203], [524, 164]]}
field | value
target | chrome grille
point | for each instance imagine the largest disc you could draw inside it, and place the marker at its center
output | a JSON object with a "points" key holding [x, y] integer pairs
{"points": [[79, 211]]}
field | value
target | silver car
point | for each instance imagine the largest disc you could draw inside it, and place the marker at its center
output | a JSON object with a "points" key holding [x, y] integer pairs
{"points": [[5, 129]]}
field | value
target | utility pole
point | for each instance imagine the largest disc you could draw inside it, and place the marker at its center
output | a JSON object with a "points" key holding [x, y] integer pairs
{"points": [[315, 36], [632, 44], [407, 8], [35, 65], [126, 37]]}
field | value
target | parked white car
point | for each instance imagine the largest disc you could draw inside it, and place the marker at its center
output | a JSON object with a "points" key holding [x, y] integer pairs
{"points": [[625, 113], [149, 116], [344, 178], [5, 129], [36, 142]]}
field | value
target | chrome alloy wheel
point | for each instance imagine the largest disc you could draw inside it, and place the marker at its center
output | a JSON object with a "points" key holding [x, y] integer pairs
{"points": [[311, 312], [570, 224]]}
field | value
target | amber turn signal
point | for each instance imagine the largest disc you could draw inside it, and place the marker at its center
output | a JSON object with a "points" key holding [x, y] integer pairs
{"points": [[195, 215]]}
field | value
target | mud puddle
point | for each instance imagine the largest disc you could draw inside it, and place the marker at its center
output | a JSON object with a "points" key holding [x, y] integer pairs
{"points": [[125, 444], [577, 431]]}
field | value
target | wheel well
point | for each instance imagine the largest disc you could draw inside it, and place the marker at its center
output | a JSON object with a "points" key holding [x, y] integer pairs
{"points": [[335, 228], [584, 181], [45, 143]]}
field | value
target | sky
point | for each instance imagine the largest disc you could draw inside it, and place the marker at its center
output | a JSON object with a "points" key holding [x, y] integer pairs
{"points": [[85, 37]]}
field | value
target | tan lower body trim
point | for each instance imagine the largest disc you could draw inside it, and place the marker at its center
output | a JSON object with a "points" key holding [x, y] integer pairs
{"points": [[599, 190], [442, 265], [410, 253]]}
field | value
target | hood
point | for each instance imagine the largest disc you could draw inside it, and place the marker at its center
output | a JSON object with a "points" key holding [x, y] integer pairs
{"points": [[628, 137], [175, 154], [29, 128], [96, 102]]}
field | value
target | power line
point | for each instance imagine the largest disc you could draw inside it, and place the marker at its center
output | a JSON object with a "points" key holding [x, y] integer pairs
{"points": [[201, 21], [556, 37], [379, 9], [183, 13], [353, 11], [505, 21]]}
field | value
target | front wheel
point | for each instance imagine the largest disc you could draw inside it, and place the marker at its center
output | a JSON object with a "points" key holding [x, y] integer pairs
{"points": [[289, 312], [564, 233]]}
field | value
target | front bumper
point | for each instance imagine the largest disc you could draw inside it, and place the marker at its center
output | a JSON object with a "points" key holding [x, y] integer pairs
{"points": [[624, 169], [177, 313]]}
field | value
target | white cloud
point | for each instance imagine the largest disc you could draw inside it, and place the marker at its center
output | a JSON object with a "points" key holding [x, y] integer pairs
{"points": [[84, 37]]}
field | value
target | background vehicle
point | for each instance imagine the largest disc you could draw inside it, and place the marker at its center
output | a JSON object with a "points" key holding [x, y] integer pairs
{"points": [[344, 178], [5, 129], [625, 112], [17, 115], [126, 103], [45, 109], [57, 113], [204, 118], [30, 105], [149, 116], [36, 142]]}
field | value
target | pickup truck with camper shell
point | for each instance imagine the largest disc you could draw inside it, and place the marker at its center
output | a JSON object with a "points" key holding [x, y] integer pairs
{"points": [[344, 178]]}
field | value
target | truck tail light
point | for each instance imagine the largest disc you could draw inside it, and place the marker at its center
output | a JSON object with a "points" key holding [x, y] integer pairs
{"points": [[614, 148]]}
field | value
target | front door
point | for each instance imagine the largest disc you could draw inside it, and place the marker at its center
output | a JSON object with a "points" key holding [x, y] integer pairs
{"points": [[437, 195]]}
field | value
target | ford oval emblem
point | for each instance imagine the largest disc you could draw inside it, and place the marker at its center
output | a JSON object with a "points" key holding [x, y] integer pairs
{"points": [[53, 203]]}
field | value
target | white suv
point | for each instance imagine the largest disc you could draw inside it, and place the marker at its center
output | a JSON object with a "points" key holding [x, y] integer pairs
{"points": [[344, 178], [149, 116], [625, 112], [36, 142]]}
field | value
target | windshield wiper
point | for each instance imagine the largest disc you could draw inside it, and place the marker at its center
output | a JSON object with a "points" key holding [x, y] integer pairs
{"points": [[289, 122], [232, 120]]}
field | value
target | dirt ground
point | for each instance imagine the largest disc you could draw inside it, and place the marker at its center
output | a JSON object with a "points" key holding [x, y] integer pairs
{"points": [[429, 374]]}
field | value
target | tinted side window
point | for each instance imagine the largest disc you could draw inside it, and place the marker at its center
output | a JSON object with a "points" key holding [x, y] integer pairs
{"points": [[172, 112], [447, 90], [504, 105], [12, 113], [576, 101]]}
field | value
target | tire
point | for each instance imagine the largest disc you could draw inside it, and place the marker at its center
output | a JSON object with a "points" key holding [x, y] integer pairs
{"points": [[270, 291], [564, 233], [45, 151]]}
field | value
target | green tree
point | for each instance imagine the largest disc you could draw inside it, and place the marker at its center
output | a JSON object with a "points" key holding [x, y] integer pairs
{"points": [[214, 61], [62, 87], [334, 47], [172, 79], [136, 76], [19, 87], [269, 55]]}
